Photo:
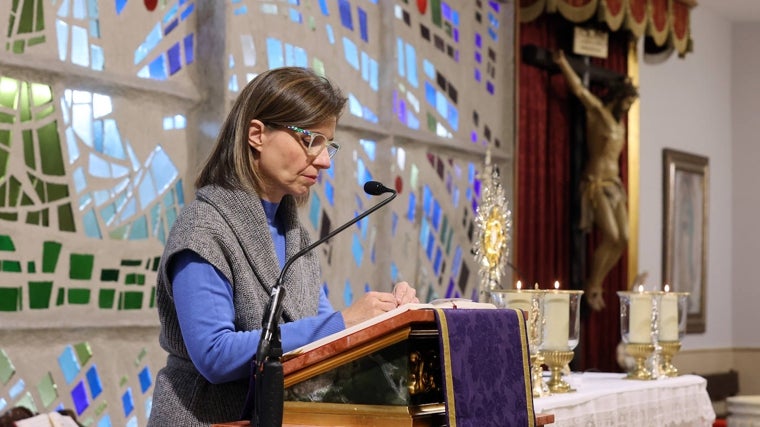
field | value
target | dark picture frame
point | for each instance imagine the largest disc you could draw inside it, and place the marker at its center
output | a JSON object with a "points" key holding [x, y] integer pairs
{"points": [[685, 218]]}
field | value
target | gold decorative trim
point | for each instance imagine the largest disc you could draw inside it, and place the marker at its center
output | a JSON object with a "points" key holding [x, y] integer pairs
{"points": [[634, 169], [447, 372]]}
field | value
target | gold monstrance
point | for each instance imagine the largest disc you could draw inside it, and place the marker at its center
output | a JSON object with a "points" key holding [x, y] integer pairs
{"points": [[493, 221]]}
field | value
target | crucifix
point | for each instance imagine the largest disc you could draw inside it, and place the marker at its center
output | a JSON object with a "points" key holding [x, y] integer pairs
{"points": [[599, 197]]}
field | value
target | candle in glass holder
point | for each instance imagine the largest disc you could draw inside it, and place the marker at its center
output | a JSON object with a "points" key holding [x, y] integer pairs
{"points": [[557, 318], [640, 321], [518, 299], [669, 316]]}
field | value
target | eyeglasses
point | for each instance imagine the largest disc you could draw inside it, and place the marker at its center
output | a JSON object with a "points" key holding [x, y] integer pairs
{"points": [[315, 142]]}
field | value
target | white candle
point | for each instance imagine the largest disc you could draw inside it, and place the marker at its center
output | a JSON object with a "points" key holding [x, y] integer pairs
{"points": [[669, 316], [517, 299], [557, 317], [640, 320]]}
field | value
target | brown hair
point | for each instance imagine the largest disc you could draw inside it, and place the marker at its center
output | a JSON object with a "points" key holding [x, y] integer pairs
{"points": [[287, 96]]}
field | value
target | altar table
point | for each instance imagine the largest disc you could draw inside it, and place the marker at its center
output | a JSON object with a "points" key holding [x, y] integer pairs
{"points": [[608, 399]]}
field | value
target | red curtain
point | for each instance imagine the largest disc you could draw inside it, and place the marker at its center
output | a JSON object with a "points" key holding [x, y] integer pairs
{"points": [[543, 231]]}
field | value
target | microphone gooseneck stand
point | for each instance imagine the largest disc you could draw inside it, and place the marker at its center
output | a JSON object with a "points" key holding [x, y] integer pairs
{"points": [[268, 379]]}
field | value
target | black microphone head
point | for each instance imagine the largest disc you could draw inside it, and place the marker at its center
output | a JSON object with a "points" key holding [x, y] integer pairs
{"points": [[374, 188]]}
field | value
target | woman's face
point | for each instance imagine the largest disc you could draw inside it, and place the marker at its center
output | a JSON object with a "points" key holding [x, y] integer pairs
{"points": [[283, 162]]}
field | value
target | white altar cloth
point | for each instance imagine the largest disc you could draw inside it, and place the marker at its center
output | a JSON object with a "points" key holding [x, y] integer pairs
{"points": [[607, 399]]}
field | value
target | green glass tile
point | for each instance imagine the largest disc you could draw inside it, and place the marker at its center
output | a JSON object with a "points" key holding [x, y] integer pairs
{"points": [[33, 218], [11, 266], [109, 275], [18, 47], [41, 94], [6, 243], [140, 279], [66, 218], [141, 356], [6, 368], [60, 298], [4, 158], [50, 109], [31, 267], [50, 144], [39, 295], [27, 137], [123, 381], [10, 299], [131, 262], [130, 300], [56, 191], [435, 10], [130, 279], [47, 390], [78, 296], [156, 263], [87, 422], [9, 92], [80, 266], [27, 402], [14, 191], [153, 297], [431, 122], [24, 110], [106, 298], [84, 352], [50, 253], [101, 408]]}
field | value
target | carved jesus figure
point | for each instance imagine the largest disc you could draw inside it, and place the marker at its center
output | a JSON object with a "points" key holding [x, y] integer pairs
{"points": [[603, 195]]}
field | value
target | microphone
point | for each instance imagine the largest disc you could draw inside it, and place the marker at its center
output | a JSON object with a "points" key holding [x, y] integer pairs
{"points": [[267, 377]]}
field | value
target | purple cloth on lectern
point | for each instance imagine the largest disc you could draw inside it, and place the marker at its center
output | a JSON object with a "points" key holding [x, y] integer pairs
{"points": [[485, 368]]}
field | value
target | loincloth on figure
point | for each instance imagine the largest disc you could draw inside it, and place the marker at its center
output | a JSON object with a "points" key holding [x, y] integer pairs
{"points": [[591, 187]]}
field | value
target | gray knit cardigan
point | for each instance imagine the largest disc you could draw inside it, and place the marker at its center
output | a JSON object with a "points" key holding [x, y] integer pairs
{"points": [[229, 229]]}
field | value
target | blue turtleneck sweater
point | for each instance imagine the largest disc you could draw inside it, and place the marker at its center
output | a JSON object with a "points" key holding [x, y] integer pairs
{"points": [[203, 300]]}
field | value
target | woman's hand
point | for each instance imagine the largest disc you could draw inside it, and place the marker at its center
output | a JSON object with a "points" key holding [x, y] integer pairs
{"points": [[405, 294]]}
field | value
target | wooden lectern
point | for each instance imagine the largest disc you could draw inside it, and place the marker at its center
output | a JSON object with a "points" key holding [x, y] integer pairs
{"points": [[386, 373]]}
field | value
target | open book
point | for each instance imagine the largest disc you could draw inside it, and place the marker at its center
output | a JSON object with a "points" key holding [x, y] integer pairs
{"points": [[448, 303]]}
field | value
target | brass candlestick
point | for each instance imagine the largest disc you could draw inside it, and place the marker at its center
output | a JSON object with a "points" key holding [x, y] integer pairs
{"points": [[639, 352], [540, 389], [556, 360], [669, 349]]}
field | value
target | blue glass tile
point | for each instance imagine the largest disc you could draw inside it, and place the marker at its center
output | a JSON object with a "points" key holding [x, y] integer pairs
{"points": [[357, 250], [429, 246], [365, 66], [97, 58], [189, 42], [348, 294], [427, 201], [478, 40], [242, 10], [429, 69], [455, 35], [453, 117], [78, 10], [93, 380], [157, 68], [455, 17], [492, 34], [437, 262], [172, 25], [62, 32], [394, 272], [300, 57], [344, 7], [79, 397], [295, 16], [170, 14], [80, 51], [91, 227], [441, 104], [369, 115], [105, 421], [363, 24], [350, 52], [127, 402], [314, 210], [145, 379], [446, 11], [478, 57], [373, 74], [411, 65], [112, 145], [3, 403], [369, 147], [163, 170], [330, 193], [120, 6], [451, 289], [430, 93], [401, 69], [187, 12], [69, 364], [17, 389], [494, 5], [174, 57], [139, 229], [148, 406], [323, 7], [455, 197], [330, 33], [132, 422], [274, 53], [490, 87], [424, 231], [477, 75], [412, 206], [436, 217]]}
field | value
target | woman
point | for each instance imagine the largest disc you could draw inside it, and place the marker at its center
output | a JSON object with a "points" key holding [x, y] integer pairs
{"points": [[226, 249]]}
